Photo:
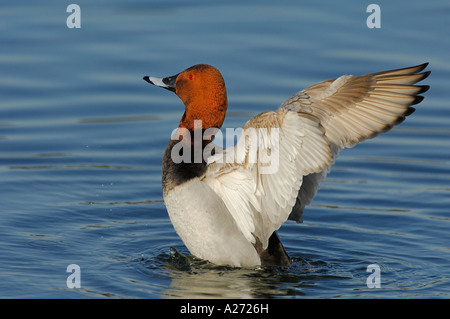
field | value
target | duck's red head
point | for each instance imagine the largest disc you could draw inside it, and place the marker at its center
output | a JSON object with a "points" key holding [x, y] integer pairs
{"points": [[202, 90]]}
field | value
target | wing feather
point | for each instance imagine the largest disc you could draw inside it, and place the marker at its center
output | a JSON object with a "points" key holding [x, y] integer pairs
{"points": [[355, 108], [260, 195], [346, 106]]}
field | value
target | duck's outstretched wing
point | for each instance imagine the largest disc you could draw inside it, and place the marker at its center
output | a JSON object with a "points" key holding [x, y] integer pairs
{"points": [[301, 141], [260, 177], [355, 108]]}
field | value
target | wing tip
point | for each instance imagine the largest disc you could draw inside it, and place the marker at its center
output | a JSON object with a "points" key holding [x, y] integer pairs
{"points": [[412, 70], [422, 66], [410, 110], [425, 74], [422, 88], [417, 99], [418, 68]]}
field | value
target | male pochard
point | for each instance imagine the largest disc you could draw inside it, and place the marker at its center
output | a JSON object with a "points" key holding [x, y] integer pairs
{"points": [[227, 204]]}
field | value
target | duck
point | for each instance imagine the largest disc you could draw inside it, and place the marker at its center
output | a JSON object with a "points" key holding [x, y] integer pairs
{"points": [[227, 204]]}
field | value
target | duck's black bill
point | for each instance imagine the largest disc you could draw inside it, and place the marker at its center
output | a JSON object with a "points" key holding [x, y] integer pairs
{"points": [[167, 83]]}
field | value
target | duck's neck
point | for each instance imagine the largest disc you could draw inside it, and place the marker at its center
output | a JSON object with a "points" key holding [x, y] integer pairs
{"points": [[183, 159], [182, 162], [205, 112]]}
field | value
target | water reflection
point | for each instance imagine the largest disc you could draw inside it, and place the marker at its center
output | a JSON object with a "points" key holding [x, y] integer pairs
{"points": [[194, 278]]}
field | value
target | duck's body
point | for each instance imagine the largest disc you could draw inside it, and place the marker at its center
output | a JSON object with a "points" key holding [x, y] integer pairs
{"points": [[226, 205]]}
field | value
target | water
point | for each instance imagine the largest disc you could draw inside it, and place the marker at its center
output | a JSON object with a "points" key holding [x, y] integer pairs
{"points": [[82, 137]]}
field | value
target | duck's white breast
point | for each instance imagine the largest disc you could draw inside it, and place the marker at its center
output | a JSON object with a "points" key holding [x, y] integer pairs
{"points": [[206, 227]]}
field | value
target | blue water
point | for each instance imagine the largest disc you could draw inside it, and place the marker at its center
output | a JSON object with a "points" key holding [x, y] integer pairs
{"points": [[82, 137]]}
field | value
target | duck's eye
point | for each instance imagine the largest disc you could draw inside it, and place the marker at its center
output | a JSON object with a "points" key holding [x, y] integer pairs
{"points": [[191, 77]]}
